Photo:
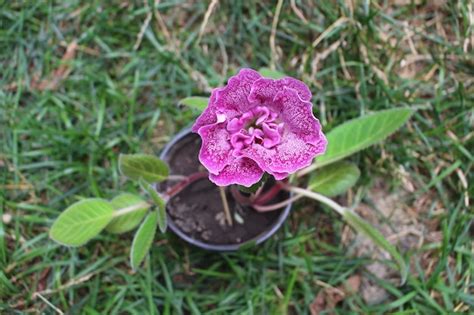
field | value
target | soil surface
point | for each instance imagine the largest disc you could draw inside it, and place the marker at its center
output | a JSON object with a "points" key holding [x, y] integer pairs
{"points": [[197, 210]]}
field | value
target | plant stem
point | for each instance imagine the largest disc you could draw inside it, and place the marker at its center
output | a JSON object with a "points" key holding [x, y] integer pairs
{"points": [[257, 193], [278, 205], [176, 177], [226, 205], [300, 192], [187, 180], [270, 194], [307, 170], [311, 194], [239, 197], [354, 220], [138, 206]]}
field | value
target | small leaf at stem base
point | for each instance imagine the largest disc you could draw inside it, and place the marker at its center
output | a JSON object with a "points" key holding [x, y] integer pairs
{"points": [[143, 239], [196, 102], [148, 167], [159, 202], [269, 73]]}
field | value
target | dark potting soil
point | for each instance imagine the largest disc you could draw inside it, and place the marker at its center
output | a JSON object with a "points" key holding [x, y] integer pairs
{"points": [[197, 210]]}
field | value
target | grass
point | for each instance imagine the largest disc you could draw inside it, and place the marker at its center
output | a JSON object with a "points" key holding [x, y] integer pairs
{"points": [[63, 123]]}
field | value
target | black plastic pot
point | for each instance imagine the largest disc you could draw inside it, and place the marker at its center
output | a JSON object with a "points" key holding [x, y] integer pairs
{"points": [[182, 156]]}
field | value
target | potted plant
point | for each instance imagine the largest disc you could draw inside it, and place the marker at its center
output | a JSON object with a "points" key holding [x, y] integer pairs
{"points": [[207, 215], [230, 180]]}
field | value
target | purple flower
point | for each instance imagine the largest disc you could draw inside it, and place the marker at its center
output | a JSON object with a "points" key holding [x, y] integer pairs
{"points": [[255, 125]]}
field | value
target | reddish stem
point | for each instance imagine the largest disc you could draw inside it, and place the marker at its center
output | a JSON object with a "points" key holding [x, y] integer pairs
{"points": [[270, 194], [257, 200], [241, 199], [173, 190], [278, 205], [259, 197]]}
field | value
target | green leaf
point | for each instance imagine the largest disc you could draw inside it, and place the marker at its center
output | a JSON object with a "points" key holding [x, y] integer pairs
{"points": [[148, 167], [81, 222], [129, 221], [143, 239], [159, 202], [365, 228], [196, 102], [359, 133], [334, 179], [272, 74]]}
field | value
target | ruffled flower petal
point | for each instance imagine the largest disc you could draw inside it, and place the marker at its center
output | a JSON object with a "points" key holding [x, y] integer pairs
{"points": [[271, 136], [229, 100], [255, 125], [264, 90], [216, 150], [292, 154], [279, 176], [298, 117], [234, 96], [208, 116], [241, 171]]}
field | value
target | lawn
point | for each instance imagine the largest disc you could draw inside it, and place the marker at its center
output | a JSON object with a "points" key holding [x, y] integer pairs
{"points": [[82, 81]]}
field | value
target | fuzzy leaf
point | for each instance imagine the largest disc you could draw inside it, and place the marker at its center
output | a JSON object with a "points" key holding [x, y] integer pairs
{"points": [[373, 234], [143, 239], [129, 221], [81, 221], [272, 74], [159, 202], [198, 103], [334, 179], [148, 167], [360, 133]]}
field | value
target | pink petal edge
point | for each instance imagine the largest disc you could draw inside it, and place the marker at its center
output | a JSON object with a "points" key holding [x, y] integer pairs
{"points": [[241, 171]]}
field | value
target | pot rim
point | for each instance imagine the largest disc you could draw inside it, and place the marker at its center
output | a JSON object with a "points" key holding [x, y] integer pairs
{"points": [[263, 236]]}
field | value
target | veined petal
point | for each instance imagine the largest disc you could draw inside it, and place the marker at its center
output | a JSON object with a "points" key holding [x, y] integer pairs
{"points": [[241, 171], [234, 95], [208, 116], [279, 176], [216, 150], [292, 154], [298, 117], [230, 99], [255, 125], [264, 90]]}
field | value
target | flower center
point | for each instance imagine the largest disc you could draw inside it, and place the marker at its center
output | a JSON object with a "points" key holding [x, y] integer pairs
{"points": [[259, 125]]}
